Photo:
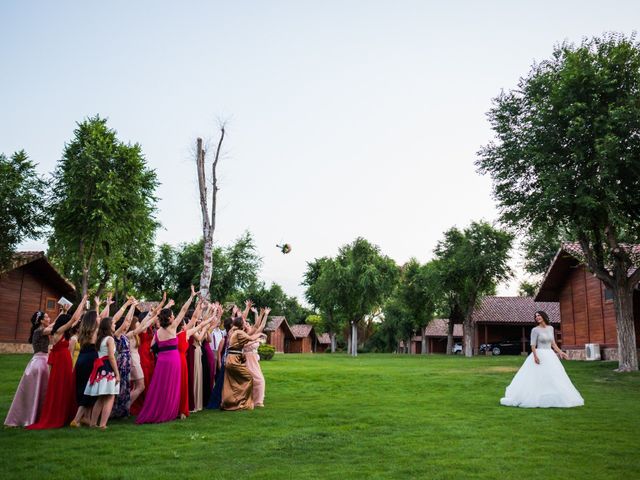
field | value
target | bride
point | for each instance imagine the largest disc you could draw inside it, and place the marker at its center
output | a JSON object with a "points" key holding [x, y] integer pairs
{"points": [[542, 381]]}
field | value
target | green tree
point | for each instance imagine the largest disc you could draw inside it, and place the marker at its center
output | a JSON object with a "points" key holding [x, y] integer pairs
{"points": [[275, 298], [103, 206], [365, 279], [22, 204], [566, 156], [470, 263], [322, 291], [528, 289]]}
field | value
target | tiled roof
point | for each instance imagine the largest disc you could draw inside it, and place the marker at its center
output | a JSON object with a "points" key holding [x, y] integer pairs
{"points": [[514, 310], [274, 323], [301, 330], [438, 327], [324, 339], [23, 258]]}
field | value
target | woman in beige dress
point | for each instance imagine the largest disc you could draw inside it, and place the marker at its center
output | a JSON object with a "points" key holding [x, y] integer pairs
{"points": [[253, 358]]}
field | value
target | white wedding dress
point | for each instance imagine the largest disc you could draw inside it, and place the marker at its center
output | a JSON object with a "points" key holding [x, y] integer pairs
{"points": [[545, 384]]}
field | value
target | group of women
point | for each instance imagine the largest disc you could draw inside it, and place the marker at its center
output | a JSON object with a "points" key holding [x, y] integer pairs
{"points": [[155, 365]]}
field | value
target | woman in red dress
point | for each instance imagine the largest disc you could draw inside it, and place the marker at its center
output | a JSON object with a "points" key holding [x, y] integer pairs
{"points": [[60, 400]]}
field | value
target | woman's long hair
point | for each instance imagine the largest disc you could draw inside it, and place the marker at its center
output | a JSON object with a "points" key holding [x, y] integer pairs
{"points": [[36, 321], [104, 330], [88, 326], [60, 321]]}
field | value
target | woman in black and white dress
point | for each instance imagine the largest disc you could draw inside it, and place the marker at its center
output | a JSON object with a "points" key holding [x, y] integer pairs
{"points": [[541, 381]]}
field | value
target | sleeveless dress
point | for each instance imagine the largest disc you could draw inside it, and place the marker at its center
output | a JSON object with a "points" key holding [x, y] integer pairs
{"points": [[253, 365], [123, 359], [162, 403], [183, 346], [147, 363], [102, 380], [59, 403], [82, 370], [208, 371], [215, 401], [136, 368], [29, 398], [545, 384], [237, 392]]}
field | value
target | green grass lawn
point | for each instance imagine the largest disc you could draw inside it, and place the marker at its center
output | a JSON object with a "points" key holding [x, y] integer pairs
{"points": [[377, 416]]}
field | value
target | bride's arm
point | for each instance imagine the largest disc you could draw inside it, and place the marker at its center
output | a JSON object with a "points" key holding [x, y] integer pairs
{"points": [[534, 343], [556, 348]]}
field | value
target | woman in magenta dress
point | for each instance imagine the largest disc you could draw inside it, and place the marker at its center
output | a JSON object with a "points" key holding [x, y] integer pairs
{"points": [[60, 401], [162, 401], [32, 389]]}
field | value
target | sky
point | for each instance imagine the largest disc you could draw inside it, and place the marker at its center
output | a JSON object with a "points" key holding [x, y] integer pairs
{"points": [[344, 118]]}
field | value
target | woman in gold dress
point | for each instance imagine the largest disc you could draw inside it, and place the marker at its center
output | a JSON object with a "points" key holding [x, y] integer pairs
{"points": [[238, 382]]}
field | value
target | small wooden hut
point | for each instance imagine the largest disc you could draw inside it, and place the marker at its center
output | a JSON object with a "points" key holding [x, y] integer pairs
{"points": [[279, 333]]}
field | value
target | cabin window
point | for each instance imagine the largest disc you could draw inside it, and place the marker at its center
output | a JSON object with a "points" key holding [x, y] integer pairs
{"points": [[608, 295], [51, 304]]}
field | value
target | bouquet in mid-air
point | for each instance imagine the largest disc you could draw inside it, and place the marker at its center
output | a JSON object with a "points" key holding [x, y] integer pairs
{"points": [[284, 248]]}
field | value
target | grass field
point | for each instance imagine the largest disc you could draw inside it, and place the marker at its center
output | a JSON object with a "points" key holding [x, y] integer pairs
{"points": [[377, 416]]}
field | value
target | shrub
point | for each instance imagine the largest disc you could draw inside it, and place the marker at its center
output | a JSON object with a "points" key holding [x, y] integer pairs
{"points": [[266, 351]]}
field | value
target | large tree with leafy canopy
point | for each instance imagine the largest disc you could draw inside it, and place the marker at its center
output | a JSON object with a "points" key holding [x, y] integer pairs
{"points": [[103, 206], [566, 156], [22, 204], [470, 263], [322, 291], [365, 279]]}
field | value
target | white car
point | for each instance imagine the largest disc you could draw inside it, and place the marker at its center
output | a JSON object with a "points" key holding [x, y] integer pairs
{"points": [[457, 348]]}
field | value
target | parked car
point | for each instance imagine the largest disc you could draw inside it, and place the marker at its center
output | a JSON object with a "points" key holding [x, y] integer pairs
{"points": [[506, 347], [457, 348]]}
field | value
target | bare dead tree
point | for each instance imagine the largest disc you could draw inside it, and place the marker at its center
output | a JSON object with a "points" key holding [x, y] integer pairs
{"points": [[208, 220]]}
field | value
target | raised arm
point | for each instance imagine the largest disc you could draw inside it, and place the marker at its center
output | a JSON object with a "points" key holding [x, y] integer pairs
{"points": [[124, 328], [123, 308], [75, 318], [247, 308], [184, 309], [263, 320], [107, 306]]}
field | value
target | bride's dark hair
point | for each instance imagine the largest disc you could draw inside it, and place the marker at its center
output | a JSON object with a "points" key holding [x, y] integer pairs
{"points": [[544, 316]]}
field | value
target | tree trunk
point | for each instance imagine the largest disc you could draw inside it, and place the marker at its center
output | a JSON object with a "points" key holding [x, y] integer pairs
{"points": [[468, 336], [424, 341], [354, 339], [450, 327], [333, 342], [349, 350], [627, 351]]}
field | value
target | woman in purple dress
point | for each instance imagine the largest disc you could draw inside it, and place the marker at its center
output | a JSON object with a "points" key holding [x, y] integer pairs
{"points": [[162, 401]]}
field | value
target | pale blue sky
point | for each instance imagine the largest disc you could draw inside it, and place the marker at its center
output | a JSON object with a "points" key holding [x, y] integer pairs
{"points": [[345, 118]]}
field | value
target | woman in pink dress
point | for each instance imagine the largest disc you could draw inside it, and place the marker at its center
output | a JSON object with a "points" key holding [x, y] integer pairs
{"points": [[252, 357], [29, 397], [162, 401]]}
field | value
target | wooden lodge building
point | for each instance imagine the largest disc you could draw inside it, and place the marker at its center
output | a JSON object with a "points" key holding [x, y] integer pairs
{"points": [[305, 341], [279, 334], [31, 284], [300, 338], [586, 305], [436, 333]]}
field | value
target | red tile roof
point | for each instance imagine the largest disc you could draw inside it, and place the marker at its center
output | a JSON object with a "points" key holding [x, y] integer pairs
{"points": [[439, 327], [514, 310], [301, 330], [324, 339], [275, 322]]}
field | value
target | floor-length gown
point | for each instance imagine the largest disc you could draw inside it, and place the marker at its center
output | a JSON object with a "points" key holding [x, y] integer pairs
{"points": [[208, 372], [123, 359], [147, 363], [545, 384], [215, 400], [60, 402], [162, 402], [82, 371], [237, 392], [253, 365], [183, 347], [195, 375], [29, 398]]}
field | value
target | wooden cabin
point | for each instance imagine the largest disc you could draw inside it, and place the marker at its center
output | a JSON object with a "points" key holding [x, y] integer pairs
{"points": [[324, 343], [511, 319], [279, 334], [436, 333], [305, 341], [31, 284], [586, 306]]}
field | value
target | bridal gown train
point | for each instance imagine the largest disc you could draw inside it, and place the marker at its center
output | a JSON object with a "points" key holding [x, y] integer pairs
{"points": [[545, 384]]}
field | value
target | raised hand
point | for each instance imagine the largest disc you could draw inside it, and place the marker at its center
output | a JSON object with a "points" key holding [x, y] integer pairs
{"points": [[193, 291], [170, 304]]}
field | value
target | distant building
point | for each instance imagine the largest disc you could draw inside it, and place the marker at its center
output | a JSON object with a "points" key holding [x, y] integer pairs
{"points": [[279, 333], [586, 305], [305, 341], [436, 334], [31, 284]]}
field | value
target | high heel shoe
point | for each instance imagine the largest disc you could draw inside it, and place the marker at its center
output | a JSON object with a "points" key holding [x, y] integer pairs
{"points": [[74, 424]]}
